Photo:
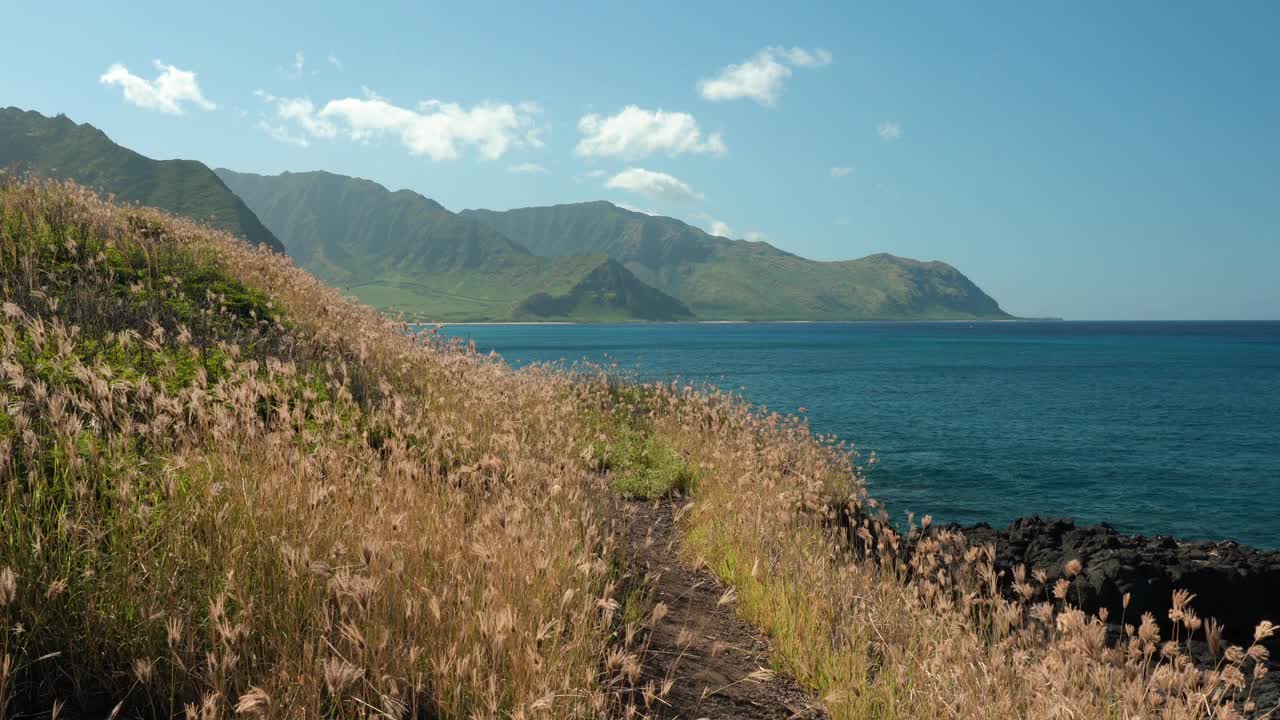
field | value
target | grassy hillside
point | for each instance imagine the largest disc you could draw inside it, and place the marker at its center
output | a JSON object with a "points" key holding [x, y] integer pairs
{"points": [[226, 486], [720, 278], [57, 147], [402, 252], [229, 492]]}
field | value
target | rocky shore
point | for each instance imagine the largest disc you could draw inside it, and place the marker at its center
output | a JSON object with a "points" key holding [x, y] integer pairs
{"points": [[1237, 585]]}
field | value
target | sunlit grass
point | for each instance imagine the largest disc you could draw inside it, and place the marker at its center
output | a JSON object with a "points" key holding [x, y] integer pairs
{"points": [[880, 629], [645, 466], [225, 487]]}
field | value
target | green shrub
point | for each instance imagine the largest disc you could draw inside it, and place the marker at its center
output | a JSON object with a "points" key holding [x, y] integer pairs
{"points": [[647, 466]]}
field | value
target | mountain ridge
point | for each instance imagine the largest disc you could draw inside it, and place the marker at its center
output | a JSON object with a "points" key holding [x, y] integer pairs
{"points": [[403, 252], [721, 278], [322, 214], [58, 147], [609, 278]]}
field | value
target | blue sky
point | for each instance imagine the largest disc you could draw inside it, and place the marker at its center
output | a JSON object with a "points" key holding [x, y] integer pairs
{"points": [[1083, 160]]}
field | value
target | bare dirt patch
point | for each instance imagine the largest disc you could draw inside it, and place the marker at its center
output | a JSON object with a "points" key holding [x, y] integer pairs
{"points": [[716, 665]]}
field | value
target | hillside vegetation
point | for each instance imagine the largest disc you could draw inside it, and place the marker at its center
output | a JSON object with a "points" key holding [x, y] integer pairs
{"points": [[724, 279], [230, 492], [57, 147], [226, 486], [402, 252]]}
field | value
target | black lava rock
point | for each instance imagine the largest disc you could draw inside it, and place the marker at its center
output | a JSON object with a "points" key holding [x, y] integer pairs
{"points": [[1237, 585]]}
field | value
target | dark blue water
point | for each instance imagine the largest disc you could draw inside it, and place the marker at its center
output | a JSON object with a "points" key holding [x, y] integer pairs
{"points": [[1153, 427]]}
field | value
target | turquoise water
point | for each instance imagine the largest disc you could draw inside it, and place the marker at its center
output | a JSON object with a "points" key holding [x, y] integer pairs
{"points": [[1153, 427]]}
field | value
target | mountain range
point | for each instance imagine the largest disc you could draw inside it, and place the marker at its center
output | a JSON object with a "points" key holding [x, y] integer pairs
{"points": [[402, 252], [406, 254], [719, 278], [57, 147]]}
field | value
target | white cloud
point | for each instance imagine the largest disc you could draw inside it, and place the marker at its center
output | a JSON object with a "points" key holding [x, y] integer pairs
{"points": [[300, 113], [761, 76], [334, 61], [805, 58], [433, 128], [168, 93], [888, 130], [528, 168], [839, 172], [635, 133], [657, 185], [721, 228], [298, 61], [282, 134]]}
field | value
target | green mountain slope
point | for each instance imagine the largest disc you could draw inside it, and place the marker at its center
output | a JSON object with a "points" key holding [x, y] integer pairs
{"points": [[348, 230], [609, 287], [57, 147], [400, 251], [720, 278]]}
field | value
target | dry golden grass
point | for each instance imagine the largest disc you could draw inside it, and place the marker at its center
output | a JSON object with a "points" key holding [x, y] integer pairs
{"points": [[229, 492], [215, 505], [933, 636]]}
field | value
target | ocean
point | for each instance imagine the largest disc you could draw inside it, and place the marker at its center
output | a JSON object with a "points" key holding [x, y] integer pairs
{"points": [[1154, 427]]}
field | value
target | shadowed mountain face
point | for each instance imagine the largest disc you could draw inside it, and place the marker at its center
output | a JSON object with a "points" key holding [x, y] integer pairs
{"points": [[609, 284], [59, 148], [400, 251], [650, 240], [347, 230], [720, 278]]}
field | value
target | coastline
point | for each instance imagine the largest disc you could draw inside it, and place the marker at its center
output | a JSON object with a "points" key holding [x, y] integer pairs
{"points": [[731, 322], [1124, 578], [981, 321], [847, 377], [1239, 585]]}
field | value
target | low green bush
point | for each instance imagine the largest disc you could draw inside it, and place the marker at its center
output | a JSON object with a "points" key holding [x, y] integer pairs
{"points": [[646, 465]]}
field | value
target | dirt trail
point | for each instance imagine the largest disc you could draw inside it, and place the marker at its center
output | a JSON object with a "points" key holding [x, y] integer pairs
{"points": [[717, 663]]}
